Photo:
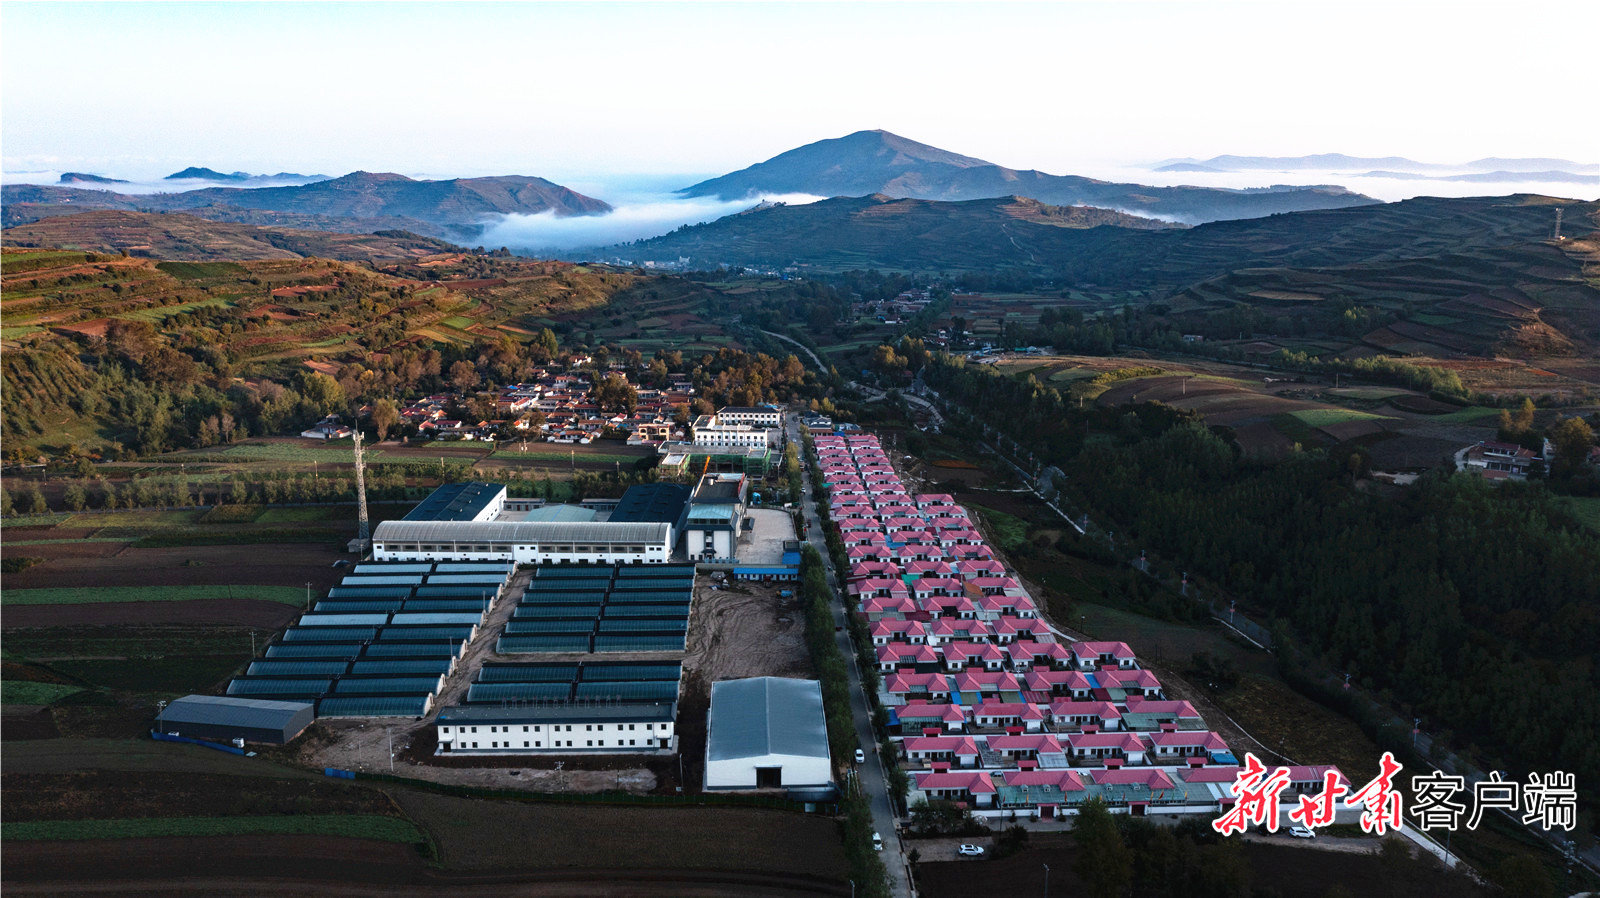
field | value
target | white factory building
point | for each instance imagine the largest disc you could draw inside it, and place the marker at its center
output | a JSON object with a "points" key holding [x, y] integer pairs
{"points": [[767, 733], [476, 522], [711, 430], [557, 728], [758, 416]]}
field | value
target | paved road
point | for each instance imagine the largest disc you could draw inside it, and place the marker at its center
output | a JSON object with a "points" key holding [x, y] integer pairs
{"points": [[874, 779]]}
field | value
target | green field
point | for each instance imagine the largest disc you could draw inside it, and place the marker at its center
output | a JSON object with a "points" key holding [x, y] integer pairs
{"points": [[195, 271], [26, 692], [288, 595], [1368, 392], [1467, 415], [360, 826], [137, 518], [1322, 417], [459, 322], [302, 515]]}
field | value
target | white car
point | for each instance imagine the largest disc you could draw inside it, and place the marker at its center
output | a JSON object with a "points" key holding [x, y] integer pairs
{"points": [[1302, 832], [861, 756], [970, 850]]}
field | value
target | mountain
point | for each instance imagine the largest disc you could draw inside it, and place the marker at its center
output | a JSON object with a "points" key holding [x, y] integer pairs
{"points": [[357, 202], [185, 238], [932, 236], [1494, 177], [882, 231], [78, 177], [197, 173], [1342, 163], [877, 162]]}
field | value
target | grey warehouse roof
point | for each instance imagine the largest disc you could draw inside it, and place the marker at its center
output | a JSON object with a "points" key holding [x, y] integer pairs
{"points": [[229, 711], [766, 716], [530, 532]]}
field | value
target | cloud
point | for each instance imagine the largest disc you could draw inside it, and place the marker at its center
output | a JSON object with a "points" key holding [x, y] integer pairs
{"points": [[631, 219]]}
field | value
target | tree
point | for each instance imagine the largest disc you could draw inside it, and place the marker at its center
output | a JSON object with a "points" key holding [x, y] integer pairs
{"points": [[1572, 439], [385, 415], [463, 376], [74, 498], [1103, 861], [6, 505]]}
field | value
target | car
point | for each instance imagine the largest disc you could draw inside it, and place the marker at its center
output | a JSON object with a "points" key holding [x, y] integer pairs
{"points": [[877, 842], [861, 756], [1302, 832], [970, 850]]}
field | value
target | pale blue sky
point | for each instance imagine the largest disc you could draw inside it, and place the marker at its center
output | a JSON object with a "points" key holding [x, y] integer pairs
{"points": [[573, 92]]}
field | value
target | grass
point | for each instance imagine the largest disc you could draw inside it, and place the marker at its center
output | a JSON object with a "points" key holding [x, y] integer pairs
{"points": [[1322, 417], [140, 519], [360, 826], [301, 515], [26, 692], [232, 514], [37, 520], [459, 322], [195, 271], [1586, 510], [288, 595], [1368, 392], [1009, 531], [1466, 415], [162, 312]]}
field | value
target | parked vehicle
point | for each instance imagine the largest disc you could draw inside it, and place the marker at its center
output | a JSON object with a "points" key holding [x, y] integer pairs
{"points": [[861, 756], [1302, 832], [970, 850], [877, 842]]}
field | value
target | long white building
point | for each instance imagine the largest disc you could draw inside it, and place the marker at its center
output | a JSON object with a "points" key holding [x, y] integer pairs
{"points": [[524, 542], [710, 430], [476, 522], [557, 728]]}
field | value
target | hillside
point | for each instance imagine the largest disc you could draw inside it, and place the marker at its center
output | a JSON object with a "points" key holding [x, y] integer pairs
{"points": [[201, 173], [1355, 164], [880, 231], [987, 234], [357, 202], [183, 237], [1526, 301], [872, 162], [78, 177]]}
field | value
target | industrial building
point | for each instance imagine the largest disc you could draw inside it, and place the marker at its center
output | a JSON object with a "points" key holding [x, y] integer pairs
{"points": [[757, 416], [767, 733], [710, 430], [477, 522], [225, 718], [381, 642], [716, 512], [558, 729]]}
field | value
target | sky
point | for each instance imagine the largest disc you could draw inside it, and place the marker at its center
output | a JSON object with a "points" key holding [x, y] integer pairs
{"points": [[591, 95]]}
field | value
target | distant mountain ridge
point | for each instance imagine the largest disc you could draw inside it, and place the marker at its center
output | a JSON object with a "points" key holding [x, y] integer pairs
{"points": [[357, 202], [1356, 164], [878, 162], [78, 177], [201, 173]]}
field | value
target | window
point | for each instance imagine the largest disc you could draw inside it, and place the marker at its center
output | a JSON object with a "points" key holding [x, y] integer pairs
{"points": [[524, 729], [524, 744], [588, 728], [630, 726], [538, 745], [474, 729], [589, 743]]}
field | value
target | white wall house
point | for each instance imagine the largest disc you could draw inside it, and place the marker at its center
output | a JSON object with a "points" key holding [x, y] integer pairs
{"points": [[767, 733], [557, 729]]}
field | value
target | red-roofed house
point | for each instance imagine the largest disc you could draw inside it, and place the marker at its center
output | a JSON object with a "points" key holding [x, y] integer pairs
{"points": [[1091, 655], [1101, 715], [958, 751], [1071, 683], [909, 685], [904, 654], [971, 788], [1170, 747], [1121, 747], [995, 714]]}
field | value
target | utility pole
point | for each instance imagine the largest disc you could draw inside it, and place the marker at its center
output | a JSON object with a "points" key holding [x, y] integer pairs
{"points": [[308, 595], [1046, 880], [363, 530], [390, 733]]}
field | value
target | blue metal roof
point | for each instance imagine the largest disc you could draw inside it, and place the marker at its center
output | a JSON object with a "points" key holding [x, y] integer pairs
{"points": [[456, 502]]}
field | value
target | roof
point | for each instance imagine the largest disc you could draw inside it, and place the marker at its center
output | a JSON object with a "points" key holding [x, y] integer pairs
{"points": [[719, 488], [456, 502], [748, 410], [558, 514], [532, 532], [230, 711], [660, 712], [655, 503], [766, 716]]}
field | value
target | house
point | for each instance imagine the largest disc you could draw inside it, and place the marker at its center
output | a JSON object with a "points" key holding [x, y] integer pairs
{"points": [[1498, 461], [1092, 655], [1111, 749], [1001, 715], [971, 788], [957, 751], [1090, 716], [1168, 747], [328, 428]]}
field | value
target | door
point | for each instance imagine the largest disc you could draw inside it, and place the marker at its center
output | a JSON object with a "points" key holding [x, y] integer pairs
{"points": [[769, 777]]}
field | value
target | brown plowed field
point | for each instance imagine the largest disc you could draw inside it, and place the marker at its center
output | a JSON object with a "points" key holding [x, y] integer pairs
{"points": [[237, 612], [76, 564], [272, 866]]}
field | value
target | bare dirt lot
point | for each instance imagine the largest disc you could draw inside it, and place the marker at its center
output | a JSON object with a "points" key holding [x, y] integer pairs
{"points": [[747, 630]]}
